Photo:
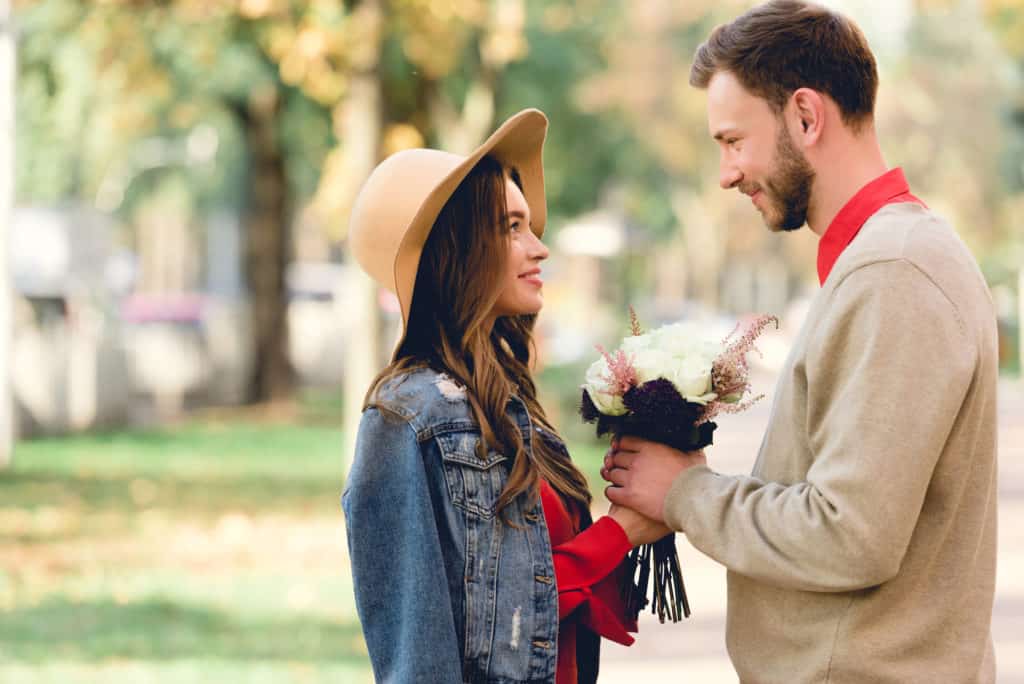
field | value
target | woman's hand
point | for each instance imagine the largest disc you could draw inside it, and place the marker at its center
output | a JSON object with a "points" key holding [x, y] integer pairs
{"points": [[639, 529]]}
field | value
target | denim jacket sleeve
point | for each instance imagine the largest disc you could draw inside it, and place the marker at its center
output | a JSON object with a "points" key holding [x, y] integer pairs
{"points": [[397, 567]]}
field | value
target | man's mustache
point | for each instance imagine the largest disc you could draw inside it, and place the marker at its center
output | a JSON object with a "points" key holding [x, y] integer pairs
{"points": [[748, 188]]}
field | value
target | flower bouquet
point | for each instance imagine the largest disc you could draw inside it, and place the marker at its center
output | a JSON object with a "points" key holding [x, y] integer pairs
{"points": [[666, 386]]}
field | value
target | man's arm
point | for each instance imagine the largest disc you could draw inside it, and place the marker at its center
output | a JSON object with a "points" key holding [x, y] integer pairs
{"points": [[887, 371]]}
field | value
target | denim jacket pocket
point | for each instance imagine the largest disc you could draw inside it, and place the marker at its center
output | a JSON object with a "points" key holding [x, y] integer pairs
{"points": [[474, 483]]}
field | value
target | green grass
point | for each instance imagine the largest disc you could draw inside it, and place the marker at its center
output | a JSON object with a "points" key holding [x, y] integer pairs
{"points": [[210, 552]]}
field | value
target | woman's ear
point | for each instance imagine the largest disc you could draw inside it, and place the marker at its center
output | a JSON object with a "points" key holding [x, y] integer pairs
{"points": [[807, 109]]}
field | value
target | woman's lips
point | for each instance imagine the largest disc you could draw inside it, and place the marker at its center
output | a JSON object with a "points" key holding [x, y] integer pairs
{"points": [[532, 277]]}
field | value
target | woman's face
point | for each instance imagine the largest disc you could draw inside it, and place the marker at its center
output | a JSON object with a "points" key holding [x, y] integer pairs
{"points": [[521, 289]]}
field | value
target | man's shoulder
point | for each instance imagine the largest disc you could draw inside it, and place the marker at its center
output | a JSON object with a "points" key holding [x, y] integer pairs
{"points": [[910, 233], [915, 255]]}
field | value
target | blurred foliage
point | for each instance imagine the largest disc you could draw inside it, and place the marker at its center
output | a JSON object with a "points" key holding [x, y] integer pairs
{"points": [[1007, 17], [626, 127], [121, 98]]}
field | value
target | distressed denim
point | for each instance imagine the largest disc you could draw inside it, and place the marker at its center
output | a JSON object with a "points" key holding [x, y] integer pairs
{"points": [[445, 590]]}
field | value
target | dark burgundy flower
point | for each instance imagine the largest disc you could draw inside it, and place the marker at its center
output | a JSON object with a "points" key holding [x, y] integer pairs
{"points": [[587, 408]]}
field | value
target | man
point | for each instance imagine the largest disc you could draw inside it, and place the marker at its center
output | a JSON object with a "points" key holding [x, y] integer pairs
{"points": [[863, 546]]}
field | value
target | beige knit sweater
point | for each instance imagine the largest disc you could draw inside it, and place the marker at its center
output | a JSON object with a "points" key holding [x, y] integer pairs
{"points": [[862, 549]]}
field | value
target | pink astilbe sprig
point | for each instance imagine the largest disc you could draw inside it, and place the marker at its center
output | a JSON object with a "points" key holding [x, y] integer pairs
{"points": [[730, 373], [634, 323], [621, 375]]}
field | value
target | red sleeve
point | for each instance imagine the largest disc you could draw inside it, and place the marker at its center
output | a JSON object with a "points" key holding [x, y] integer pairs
{"points": [[588, 581]]}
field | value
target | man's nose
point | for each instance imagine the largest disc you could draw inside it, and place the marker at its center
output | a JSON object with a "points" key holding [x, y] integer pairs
{"points": [[728, 175]]}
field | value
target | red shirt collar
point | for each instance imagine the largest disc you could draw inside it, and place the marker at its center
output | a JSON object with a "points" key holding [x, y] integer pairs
{"points": [[889, 188]]}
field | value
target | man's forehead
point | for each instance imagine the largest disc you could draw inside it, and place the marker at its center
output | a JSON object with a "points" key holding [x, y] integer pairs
{"points": [[730, 104]]}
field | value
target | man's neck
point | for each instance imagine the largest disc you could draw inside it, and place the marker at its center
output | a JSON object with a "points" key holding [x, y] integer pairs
{"points": [[841, 171]]}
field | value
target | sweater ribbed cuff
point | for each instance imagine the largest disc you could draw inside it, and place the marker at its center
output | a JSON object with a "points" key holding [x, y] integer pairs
{"points": [[684, 494]]}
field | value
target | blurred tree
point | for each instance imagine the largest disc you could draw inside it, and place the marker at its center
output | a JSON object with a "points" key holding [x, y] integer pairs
{"points": [[101, 95], [291, 86], [7, 75], [674, 189], [1007, 19], [932, 124]]}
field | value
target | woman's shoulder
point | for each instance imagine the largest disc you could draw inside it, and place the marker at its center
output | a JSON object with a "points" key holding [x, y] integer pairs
{"points": [[423, 396]]}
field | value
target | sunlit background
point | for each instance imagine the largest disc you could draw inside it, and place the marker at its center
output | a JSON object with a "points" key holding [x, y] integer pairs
{"points": [[187, 341]]}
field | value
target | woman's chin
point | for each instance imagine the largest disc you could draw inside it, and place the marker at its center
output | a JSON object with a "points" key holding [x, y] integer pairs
{"points": [[522, 309], [534, 307]]}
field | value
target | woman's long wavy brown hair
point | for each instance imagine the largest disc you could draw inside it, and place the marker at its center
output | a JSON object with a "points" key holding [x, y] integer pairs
{"points": [[457, 284]]}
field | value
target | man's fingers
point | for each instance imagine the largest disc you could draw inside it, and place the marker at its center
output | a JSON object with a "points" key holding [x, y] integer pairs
{"points": [[622, 459], [629, 444], [608, 455], [618, 476]]}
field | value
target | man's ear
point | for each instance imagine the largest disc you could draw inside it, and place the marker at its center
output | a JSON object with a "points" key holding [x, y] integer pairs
{"points": [[807, 113]]}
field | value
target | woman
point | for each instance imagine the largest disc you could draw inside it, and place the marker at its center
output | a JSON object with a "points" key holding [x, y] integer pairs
{"points": [[473, 556]]}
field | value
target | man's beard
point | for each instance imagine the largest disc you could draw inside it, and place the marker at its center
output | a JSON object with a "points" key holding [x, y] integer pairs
{"points": [[789, 189]]}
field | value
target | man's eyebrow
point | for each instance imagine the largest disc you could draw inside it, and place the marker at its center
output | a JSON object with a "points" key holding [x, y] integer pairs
{"points": [[723, 133]]}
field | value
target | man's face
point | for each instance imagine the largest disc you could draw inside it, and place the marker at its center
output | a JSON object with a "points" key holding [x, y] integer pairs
{"points": [[758, 155]]}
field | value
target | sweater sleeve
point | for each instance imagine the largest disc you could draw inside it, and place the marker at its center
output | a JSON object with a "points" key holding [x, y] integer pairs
{"points": [[887, 369], [586, 572]]}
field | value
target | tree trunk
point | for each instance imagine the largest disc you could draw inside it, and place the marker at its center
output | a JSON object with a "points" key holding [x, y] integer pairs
{"points": [[6, 205], [267, 250], [462, 130], [1020, 322], [361, 116]]}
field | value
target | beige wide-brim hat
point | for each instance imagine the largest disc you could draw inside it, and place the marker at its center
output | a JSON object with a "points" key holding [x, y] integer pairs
{"points": [[397, 206]]}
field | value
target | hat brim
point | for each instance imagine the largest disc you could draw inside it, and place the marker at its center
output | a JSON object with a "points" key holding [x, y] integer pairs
{"points": [[517, 143]]}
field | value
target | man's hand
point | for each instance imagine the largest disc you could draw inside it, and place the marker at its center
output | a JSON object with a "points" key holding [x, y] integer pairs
{"points": [[642, 472], [638, 528]]}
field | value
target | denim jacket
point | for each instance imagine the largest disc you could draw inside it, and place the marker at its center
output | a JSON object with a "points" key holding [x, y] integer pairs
{"points": [[446, 592]]}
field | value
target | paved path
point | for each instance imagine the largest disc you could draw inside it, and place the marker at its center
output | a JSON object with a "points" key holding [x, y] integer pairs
{"points": [[694, 651]]}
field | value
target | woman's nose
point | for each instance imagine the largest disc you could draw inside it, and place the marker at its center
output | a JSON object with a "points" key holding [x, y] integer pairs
{"points": [[538, 250]]}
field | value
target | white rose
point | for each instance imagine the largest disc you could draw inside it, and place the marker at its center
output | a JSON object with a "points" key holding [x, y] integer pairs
{"points": [[686, 339], [596, 386], [692, 378], [635, 343], [651, 364]]}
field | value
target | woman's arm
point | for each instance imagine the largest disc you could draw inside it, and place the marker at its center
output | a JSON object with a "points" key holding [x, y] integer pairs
{"points": [[397, 565], [585, 569]]}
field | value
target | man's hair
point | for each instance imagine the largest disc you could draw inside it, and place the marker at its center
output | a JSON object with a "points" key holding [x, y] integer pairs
{"points": [[784, 45]]}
